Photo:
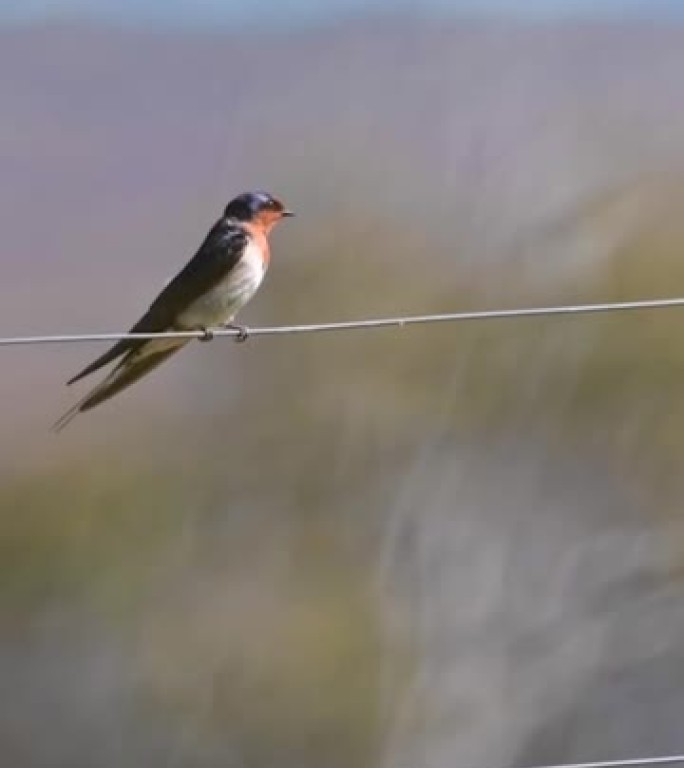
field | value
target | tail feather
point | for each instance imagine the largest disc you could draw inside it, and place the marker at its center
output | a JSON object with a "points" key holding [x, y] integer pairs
{"points": [[120, 348], [133, 367], [63, 420], [151, 322]]}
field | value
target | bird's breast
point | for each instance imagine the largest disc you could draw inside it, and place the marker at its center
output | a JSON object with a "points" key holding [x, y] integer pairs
{"points": [[220, 303]]}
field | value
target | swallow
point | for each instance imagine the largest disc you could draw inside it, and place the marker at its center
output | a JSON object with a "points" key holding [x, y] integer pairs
{"points": [[208, 292]]}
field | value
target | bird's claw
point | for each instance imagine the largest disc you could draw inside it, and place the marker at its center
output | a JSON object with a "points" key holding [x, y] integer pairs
{"points": [[241, 335], [242, 332]]}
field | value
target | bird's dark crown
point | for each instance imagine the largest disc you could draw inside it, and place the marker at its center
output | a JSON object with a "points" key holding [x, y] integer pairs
{"points": [[248, 205]]}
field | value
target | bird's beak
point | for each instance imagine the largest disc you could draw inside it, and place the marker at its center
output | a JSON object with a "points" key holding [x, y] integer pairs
{"points": [[287, 213]]}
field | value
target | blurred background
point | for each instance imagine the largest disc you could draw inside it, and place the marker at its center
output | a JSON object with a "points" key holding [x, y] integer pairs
{"points": [[418, 548]]}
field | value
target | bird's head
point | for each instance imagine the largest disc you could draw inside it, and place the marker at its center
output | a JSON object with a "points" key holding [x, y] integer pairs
{"points": [[259, 208]]}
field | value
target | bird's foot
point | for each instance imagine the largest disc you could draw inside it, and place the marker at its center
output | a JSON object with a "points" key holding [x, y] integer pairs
{"points": [[242, 331], [207, 334]]}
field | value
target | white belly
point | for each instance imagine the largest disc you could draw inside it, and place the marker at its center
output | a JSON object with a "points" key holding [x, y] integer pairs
{"points": [[220, 304]]}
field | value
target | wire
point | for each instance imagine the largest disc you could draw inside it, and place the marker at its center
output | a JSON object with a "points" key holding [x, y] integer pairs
{"points": [[241, 332], [666, 760], [387, 322]]}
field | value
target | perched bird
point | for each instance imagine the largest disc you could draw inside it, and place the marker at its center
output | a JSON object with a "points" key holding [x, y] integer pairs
{"points": [[208, 292]]}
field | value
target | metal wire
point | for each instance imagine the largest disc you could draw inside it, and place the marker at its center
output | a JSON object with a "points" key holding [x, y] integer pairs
{"points": [[665, 760], [386, 322], [397, 322]]}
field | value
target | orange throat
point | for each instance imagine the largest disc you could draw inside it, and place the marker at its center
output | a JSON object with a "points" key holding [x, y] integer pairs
{"points": [[259, 234]]}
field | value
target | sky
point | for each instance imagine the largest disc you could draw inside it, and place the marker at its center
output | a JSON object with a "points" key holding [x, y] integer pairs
{"points": [[235, 12]]}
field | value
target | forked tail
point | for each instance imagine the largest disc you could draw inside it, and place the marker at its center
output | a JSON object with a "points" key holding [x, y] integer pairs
{"points": [[133, 367]]}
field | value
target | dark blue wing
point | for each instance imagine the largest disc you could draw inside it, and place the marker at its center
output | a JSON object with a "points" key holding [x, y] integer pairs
{"points": [[218, 254]]}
